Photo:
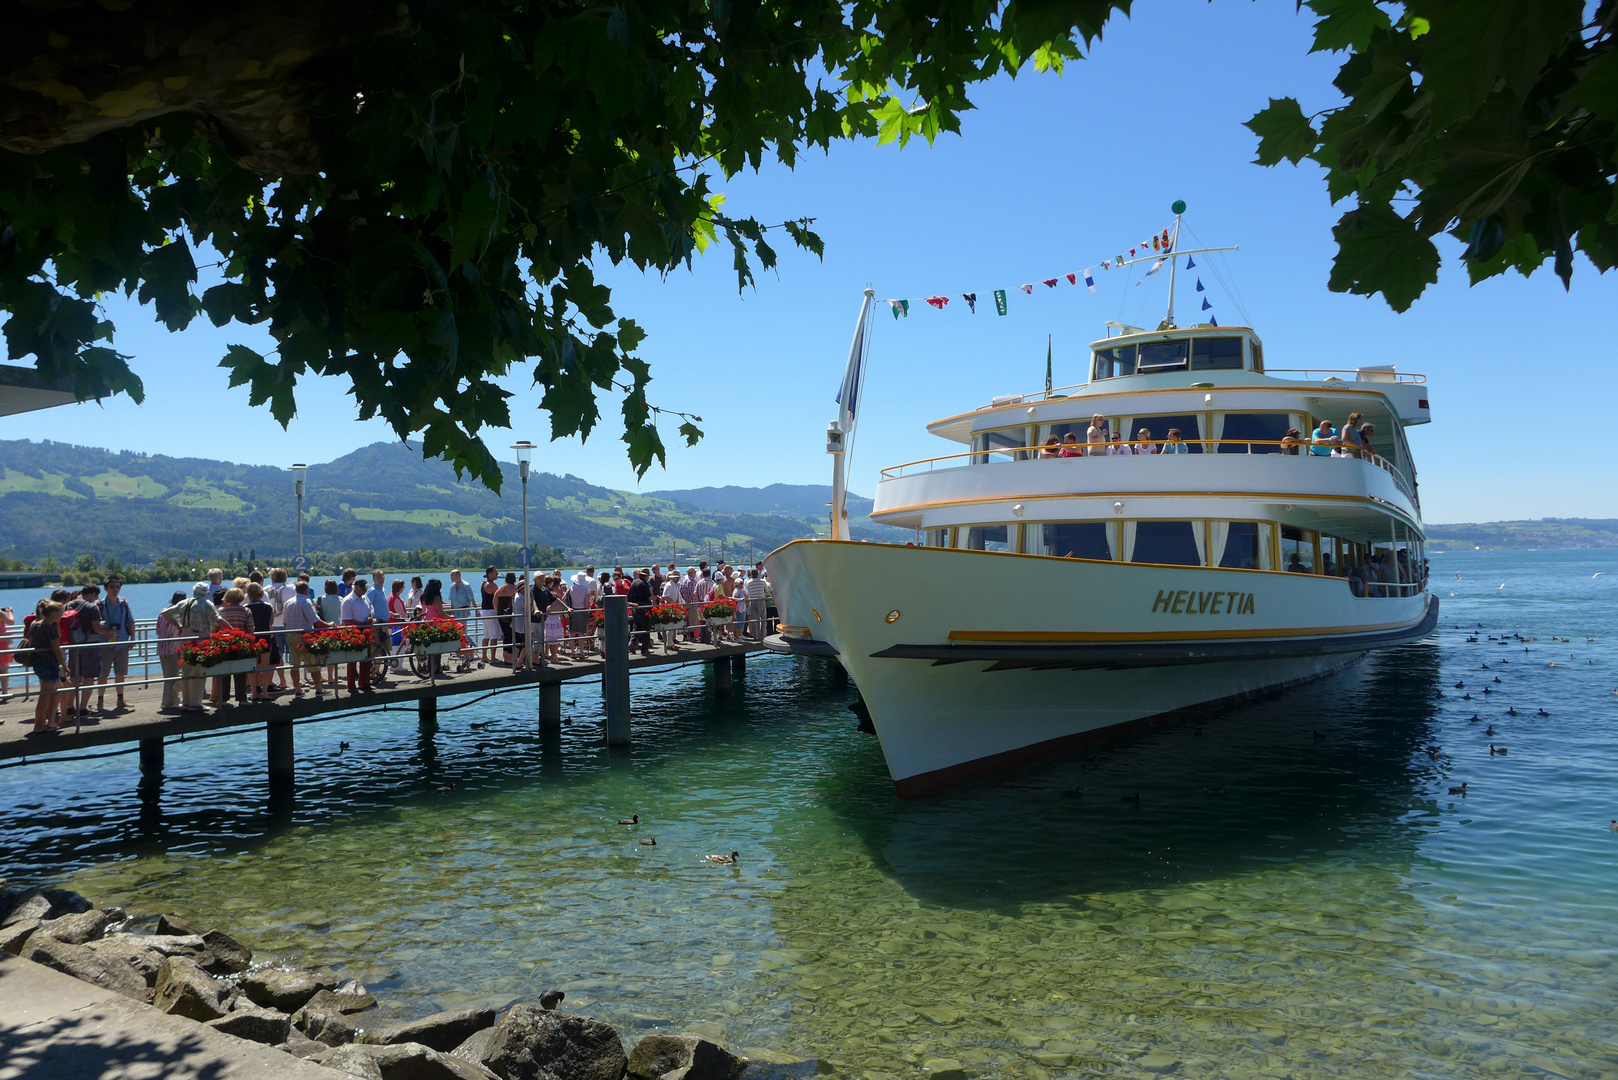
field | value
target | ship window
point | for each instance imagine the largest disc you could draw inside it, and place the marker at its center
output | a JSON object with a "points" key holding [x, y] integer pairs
{"points": [[937, 537], [1216, 354], [1190, 426], [998, 443], [1297, 550], [986, 538], [1175, 543], [1161, 356], [1242, 549], [1069, 540], [1268, 427], [1111, 363], [1061, 431]]}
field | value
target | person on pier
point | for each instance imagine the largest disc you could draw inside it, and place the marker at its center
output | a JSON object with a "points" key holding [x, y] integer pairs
{"points": [[357, 612]]}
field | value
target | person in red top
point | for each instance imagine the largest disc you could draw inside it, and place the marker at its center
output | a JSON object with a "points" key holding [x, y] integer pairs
{"points": [[622, 583]]}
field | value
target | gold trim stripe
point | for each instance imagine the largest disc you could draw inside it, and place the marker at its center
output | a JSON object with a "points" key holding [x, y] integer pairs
{"points": [[1169, 635], [1302, 388]]}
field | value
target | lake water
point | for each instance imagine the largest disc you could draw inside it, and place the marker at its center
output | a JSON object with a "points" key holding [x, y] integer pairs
{"points": [[1334, 913]]}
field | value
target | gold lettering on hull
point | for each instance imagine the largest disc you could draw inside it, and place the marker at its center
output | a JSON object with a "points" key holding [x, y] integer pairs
{"points": [[1192, 602]]}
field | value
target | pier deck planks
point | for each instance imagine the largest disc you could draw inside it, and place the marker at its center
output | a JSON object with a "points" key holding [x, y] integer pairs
{"points": [[144, 721]]}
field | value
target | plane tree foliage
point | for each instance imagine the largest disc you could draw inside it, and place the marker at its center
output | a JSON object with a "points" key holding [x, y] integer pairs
{"points": [[417, 195], [1495, 121]]}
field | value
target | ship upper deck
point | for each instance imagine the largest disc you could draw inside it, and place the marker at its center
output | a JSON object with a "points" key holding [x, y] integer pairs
{"points": [[1199, 369]]}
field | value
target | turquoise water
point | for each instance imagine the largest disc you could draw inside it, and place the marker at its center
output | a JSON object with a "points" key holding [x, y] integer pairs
{"points": [[1333, 912]]}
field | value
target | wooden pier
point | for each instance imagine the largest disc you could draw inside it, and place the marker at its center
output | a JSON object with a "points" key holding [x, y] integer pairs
{"points": [[145, 724]]}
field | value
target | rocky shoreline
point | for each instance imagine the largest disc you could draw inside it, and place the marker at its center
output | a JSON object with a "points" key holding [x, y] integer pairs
{"points": [[209, 977]]}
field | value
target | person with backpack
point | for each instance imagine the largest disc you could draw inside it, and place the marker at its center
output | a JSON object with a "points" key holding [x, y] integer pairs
{"points": [[44, 655], [82, 627], [196, 619], [119, 623]]}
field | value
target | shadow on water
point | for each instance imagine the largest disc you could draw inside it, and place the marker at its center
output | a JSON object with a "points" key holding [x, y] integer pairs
{"points": [[1316, 772], [368, 768]]}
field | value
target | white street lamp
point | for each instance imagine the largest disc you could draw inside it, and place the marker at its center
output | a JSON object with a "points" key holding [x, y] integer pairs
{"points": [[298, 472], [525, 450]]}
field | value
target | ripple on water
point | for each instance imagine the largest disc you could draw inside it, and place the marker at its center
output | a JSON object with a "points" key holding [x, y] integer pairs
{"points": [[1333, 912]]}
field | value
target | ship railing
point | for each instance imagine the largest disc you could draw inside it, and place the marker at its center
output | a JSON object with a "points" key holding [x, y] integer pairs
{"points": [[1302, 448], [1354, 375], [146, 649], [1348, 375]]}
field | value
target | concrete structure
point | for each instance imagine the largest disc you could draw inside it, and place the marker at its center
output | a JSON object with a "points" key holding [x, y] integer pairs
{"points": [[52, 1025]]}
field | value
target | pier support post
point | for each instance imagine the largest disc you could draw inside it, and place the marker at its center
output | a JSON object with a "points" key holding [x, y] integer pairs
{"points": [[615, 677], [550, 706], [279, 737], [738, 665], [427, 710], [151, 762], [721, 678]]}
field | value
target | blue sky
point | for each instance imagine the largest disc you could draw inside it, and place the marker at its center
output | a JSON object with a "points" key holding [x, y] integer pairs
{"points": [[1050, 175]]}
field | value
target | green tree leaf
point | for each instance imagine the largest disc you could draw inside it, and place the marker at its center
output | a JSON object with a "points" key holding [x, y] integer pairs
{"points": [[1381, 252], [1284, 133], [1346, 24]]}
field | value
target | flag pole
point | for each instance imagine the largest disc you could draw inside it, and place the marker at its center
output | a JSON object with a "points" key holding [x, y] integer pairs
{"points": [[840, 434], [1174, 255]]}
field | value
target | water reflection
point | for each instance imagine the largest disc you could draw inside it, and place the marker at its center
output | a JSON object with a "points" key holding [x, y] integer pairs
{"points": [[1316, 770]]}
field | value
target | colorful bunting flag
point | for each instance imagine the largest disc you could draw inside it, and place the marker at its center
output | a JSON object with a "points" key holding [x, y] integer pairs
{"points": [[1029, 289], [901, 308], [1072, 279], [1106, 264], [938, 301], [1158, 265], [1212, 321], [1205, 304], [999, 301], [1090, 282], [1199, 284], [1154, 243], [1189, 262], [1050, 283], [971, 299]]}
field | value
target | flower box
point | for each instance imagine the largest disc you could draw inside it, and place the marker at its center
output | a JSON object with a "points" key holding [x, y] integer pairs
{"points": [[436, 648], [239, 666], [352, 656], [435, 632]]}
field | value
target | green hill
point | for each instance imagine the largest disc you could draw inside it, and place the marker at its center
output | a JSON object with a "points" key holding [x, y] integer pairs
{"points": [[62, 501], [1520, 535]]}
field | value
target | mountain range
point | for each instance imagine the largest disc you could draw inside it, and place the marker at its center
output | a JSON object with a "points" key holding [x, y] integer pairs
{"points": [[59, 500]]}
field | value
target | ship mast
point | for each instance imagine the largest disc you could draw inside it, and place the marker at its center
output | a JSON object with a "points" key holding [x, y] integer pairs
{"points": [[1173, 257]]}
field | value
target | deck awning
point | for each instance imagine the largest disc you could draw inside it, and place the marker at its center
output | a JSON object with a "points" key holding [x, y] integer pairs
{"points": [[23, 389]]}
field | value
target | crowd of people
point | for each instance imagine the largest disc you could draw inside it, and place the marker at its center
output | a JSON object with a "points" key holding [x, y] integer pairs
{"points": [[75, 641], [1353, 440]]}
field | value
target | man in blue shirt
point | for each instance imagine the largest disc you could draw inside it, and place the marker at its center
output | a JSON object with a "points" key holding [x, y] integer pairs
{"points": [[378, 597], [462, 600]]}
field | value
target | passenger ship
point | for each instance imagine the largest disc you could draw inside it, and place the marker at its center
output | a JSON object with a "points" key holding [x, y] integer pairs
{"points": [[1051, 602]]}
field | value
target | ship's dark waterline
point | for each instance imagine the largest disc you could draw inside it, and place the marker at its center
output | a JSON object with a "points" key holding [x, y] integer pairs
{"points": [[1275, 903]]}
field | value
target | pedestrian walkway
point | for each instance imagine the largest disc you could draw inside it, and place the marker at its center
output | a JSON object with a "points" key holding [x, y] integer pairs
{"points": [[55, 1027]]}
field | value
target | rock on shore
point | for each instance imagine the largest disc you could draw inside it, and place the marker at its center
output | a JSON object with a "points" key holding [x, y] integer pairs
{"points": [[683, 1057], [530, 1043], [442, 1031], [400, 1061]]}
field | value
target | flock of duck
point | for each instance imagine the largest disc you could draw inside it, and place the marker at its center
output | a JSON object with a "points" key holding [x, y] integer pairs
{"points": [[1490, 688], [733, 859]]}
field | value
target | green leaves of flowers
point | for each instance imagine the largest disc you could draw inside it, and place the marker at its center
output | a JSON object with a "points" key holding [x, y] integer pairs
{"points": [[1495, 121]]}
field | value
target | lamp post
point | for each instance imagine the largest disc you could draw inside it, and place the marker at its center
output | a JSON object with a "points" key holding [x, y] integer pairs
{"points": [[525, 450], [298, 472]]}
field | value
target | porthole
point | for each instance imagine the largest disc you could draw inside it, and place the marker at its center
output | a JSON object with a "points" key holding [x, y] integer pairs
{"points": [[893, 616]]}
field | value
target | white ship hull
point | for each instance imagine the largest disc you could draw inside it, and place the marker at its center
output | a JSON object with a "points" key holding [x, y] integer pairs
{"points": [[971, 662]]}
